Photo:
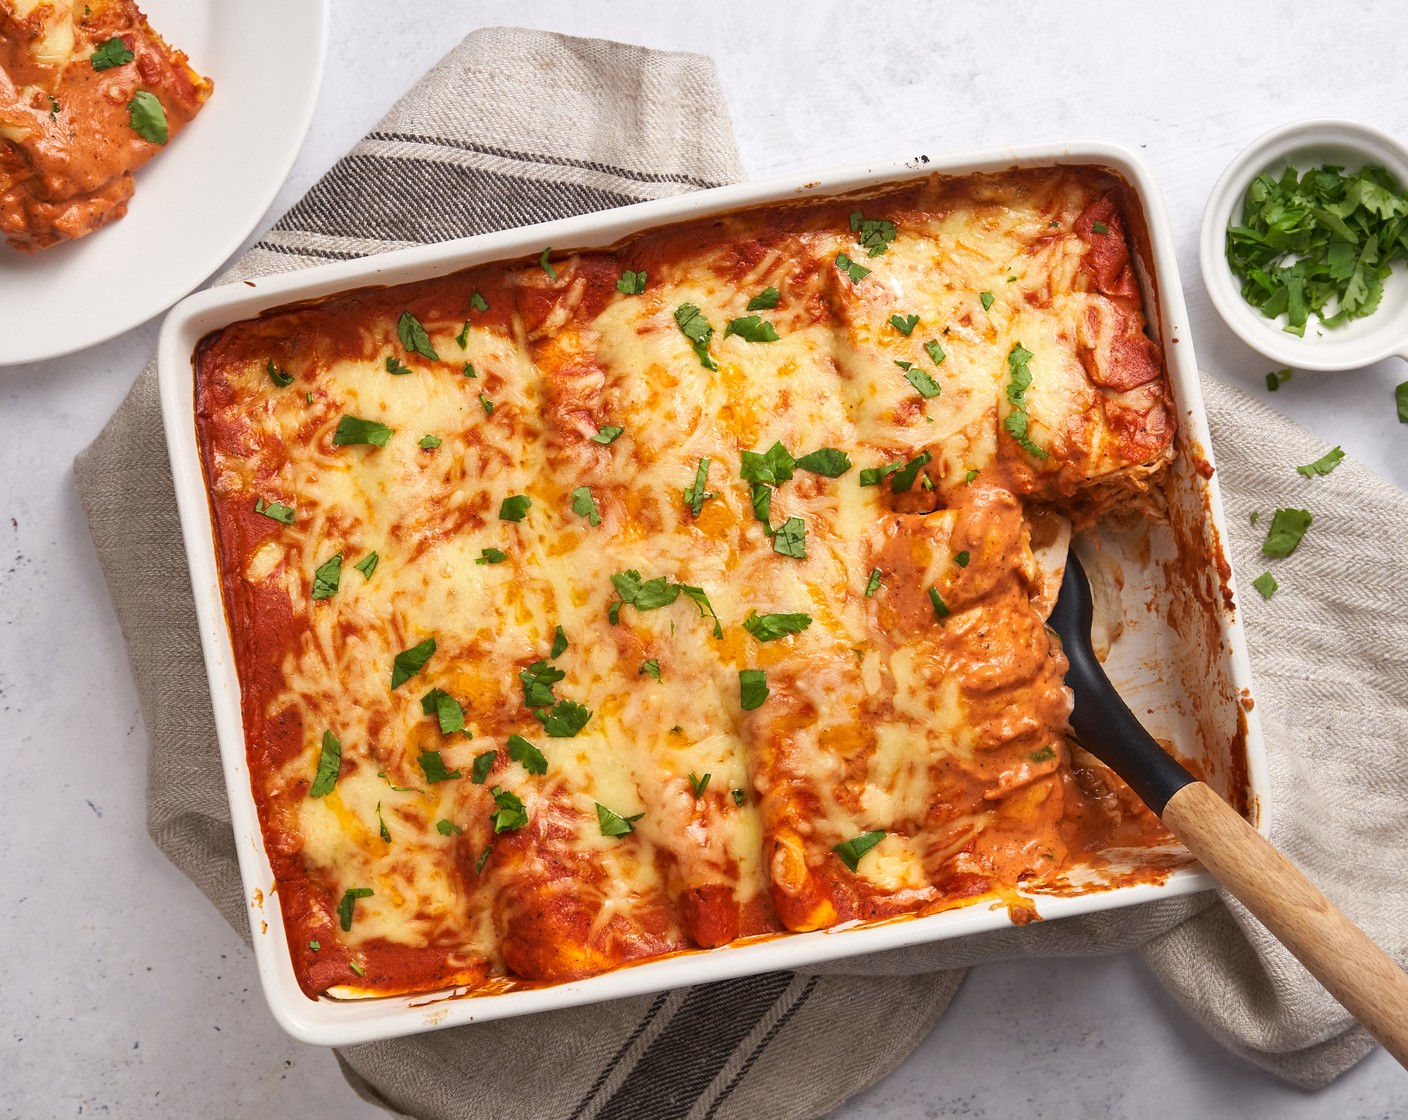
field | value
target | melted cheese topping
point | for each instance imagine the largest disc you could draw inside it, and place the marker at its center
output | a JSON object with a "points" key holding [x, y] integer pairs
{"points": [[931, 711]]}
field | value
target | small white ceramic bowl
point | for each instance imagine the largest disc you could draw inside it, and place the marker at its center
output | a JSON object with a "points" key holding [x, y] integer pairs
{"points": [[1303, 145]]}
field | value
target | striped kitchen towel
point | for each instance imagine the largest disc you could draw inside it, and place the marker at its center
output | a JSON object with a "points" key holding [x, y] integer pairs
{"points": [[516, 127]]}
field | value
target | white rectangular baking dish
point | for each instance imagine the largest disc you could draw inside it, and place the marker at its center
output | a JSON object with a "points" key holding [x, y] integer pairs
{"points": [[1196, 687]]}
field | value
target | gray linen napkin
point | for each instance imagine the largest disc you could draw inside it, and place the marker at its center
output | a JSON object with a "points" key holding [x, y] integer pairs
{"points": [[477, 146]]}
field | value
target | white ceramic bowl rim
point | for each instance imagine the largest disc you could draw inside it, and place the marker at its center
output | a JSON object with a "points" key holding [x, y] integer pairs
{"points": [[1304, 144]]}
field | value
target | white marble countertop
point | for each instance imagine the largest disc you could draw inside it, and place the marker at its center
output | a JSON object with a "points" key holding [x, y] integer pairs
{"points": [[127, 995]]}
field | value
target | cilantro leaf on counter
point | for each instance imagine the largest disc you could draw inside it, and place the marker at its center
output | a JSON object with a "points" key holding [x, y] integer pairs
{"points": [[349, 900], [765, 300], [329, 765], [826, 461], [613, 824], [146, 116], [1400, 398], [367, 565], [515, 507], [275, 511], [584, 504], [411, 661], [413, 337], [527, 755], [1288, 526], [851, 850], [770, 627], [1016, 424], [856, 272], [905, 324], [1276, 378], [752, 328], [631, 283], [1323, 465], [1266, 584], [279, 377], [695, 327], [434, 767], [327, 578], [695, 496], [752, 688], [354, 430], [874, 234], [699, 784], [508, 809], [448, 711], [607, 434], [112, 53]]}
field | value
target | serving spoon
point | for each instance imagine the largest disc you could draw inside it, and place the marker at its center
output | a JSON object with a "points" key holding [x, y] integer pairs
{"points": [[1339, 954]]}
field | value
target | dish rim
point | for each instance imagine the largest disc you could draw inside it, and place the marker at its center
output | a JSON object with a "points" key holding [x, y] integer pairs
{"points": [[332, 1022]]}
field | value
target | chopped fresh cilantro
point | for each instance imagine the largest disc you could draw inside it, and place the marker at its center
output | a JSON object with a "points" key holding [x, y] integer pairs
{"points": [[765, 300], [527, 755], [583, 503], [508, 810], [316, 946], [1016, 424], [791, 538], [613, 824], [1100, 227], [491, 556], [483, 858], [770, 627], [1323, 465], [695, 496], [399, 789], [1044, 754], [349, 900], [476, 301], [112, 53], [826, 461], [327, 578], [751, 328], [413, 337], [462, 339], [279, 377], [627, 584], [486, 404], [357, 968], [986, 298], [329, 765], [434, 767], [874, 234], [656, 593], [447, 827], [429, 442], [448, 711], [1307, 241], [1266, 584], [1400, 398], [696, 328], [970, 477], [145, 115], [411, 661], [564, 719], [851, 850], [469, 372], [752, 688], [1287, 528], [941, 610], [54, 108], [905, 324], [353, 430], [699, 784], [607, 434], [856, 272], [761, 494], [935, 351], [773, 465], [275, 511], [649, 668], [515, 507], [876, 575], [545, 264], [706, 608], [1276, 378], [381, 822], [483, 763], [923, 384], [367, 564], [873, 476], [397, 368], [738, 796], [631, 283], [538, 680], [904, 479], [962, 558]]}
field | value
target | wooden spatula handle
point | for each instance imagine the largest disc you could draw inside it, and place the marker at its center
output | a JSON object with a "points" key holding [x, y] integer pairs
{"points": [[1338, 953]]}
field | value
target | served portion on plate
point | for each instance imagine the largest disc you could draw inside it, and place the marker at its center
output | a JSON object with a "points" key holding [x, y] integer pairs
{"points": [[88, 94], [613, 603]]}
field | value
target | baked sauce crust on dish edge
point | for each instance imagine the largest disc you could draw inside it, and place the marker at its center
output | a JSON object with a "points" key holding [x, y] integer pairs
{"points": [[616, 603], [88, 94]]}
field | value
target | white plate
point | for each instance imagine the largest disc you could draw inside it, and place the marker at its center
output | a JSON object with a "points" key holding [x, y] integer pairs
{"points": [[196, 201], [1191, 692]]}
